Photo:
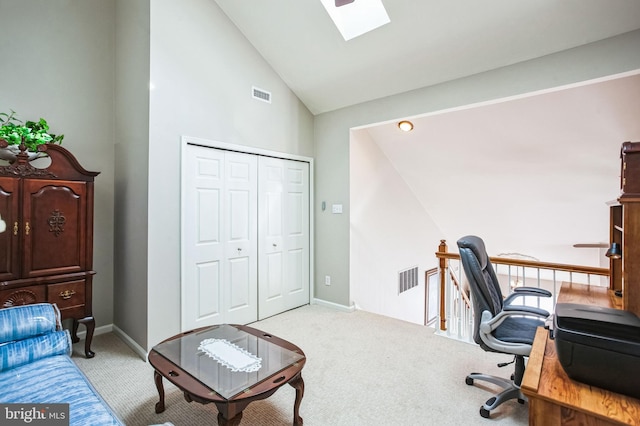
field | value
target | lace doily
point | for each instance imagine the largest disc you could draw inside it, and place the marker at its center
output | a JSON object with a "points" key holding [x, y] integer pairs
{"points": [[230, 355]]}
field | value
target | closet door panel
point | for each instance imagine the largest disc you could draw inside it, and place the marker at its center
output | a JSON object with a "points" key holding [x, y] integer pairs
{"points": [[203, 252], [241, 233], [297, 233], [283, 198]]}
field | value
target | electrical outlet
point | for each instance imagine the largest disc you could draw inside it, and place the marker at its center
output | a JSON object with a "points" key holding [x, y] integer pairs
{"points": [[327, 280]]}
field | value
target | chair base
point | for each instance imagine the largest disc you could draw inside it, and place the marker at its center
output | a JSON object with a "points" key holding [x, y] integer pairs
{"points": [[511, 391]]}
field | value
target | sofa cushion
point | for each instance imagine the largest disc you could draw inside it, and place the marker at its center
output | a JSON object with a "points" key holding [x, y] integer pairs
{"points": [[56, 379], [15, 354], [21, 322]]}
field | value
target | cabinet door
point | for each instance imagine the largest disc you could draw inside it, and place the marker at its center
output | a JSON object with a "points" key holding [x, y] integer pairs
{"points": [[55, 221], [9, 203]]}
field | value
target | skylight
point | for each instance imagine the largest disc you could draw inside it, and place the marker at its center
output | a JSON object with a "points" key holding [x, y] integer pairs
{"points": [[358, 17]]}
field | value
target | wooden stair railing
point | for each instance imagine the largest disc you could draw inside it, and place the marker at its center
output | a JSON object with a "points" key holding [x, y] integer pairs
{"points": [[444, 257]]}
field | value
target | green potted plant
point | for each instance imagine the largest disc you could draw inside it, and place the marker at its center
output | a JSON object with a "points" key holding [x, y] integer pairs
{"points": [[30, 133]]}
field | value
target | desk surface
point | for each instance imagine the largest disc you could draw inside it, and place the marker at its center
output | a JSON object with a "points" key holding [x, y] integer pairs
{"points": [[560, 400]]}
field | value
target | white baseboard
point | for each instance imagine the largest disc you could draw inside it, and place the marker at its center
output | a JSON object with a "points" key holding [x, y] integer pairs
{"points": [[337, 306], [110, 328], [142, 353]]}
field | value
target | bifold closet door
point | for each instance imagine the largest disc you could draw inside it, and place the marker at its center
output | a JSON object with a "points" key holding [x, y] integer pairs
{"points": [[283, 235], [220, 238]]}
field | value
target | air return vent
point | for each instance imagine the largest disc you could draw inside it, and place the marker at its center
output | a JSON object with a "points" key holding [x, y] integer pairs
{"points": [[407, 279], [261, 95]]}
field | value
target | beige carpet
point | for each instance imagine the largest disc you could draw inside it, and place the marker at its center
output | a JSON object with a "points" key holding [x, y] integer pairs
{"points": [[362, 369]]}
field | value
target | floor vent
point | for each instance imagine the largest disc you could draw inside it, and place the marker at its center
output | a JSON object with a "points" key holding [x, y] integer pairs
{"points": [[261, 95], [407, 279]]}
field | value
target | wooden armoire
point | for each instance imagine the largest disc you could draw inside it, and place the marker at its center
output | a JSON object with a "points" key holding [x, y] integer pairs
{"points": [[625, 229], [46, 248]]}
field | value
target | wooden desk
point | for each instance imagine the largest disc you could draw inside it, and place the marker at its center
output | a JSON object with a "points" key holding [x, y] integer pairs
{"points": [[555, 399]]}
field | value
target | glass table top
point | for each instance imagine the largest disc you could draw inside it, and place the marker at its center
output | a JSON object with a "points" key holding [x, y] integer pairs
{"points": [[226, 359]]}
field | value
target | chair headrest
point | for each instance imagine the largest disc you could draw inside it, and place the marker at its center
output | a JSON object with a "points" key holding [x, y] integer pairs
{"points": [[476, 245]]}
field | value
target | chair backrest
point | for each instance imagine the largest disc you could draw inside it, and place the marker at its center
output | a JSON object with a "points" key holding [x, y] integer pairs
{"points": [[483, 282]]}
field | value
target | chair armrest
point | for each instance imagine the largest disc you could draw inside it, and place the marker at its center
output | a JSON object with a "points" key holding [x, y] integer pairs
{"points": [[488, 324], [533, 290], [526, 291], [527, 310]]}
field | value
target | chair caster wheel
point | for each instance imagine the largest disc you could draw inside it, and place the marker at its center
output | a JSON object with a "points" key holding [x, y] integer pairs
{"points": [[468, 381], [484, 412], [521, 401]]}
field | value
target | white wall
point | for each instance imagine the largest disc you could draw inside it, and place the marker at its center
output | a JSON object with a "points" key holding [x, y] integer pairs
{"points": [[57, 63], [132, 168], [531, 175], [608, 57], [202, 70], [390, 232]]}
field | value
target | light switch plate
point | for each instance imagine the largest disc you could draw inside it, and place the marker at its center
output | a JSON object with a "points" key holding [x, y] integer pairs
{"points": [[336, 208]]}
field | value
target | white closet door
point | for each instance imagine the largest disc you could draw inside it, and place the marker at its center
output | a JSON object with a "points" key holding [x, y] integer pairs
{"points": [[283, 199], [219, 237], [241, 235]]}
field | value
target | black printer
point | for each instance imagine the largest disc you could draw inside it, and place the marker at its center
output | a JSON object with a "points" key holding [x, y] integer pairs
{"points": [[599, 346]]}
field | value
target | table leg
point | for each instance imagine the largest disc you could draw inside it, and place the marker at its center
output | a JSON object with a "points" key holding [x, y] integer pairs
{"points": [[298, 385], [234, 421], [157, 377]]}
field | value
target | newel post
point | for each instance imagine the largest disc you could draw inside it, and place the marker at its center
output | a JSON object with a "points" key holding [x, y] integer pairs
{"points": [[442, 248]]}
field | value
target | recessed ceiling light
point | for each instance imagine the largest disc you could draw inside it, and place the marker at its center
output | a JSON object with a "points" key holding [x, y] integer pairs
{"points": [[405, 126]]}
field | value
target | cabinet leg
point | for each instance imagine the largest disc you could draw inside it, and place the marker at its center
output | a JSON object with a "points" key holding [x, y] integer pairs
{"points": [[74, 331], [90, 324]]}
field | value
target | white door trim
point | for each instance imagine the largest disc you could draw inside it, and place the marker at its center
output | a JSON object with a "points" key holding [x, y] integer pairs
{"points": [[191, 140]]}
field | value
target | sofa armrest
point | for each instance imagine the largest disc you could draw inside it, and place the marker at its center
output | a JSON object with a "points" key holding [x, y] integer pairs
{"points": [[25, 351], [21, 322]]}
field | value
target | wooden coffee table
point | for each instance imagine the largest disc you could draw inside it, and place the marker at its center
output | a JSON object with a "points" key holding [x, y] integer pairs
{"points": [[228, 365]]}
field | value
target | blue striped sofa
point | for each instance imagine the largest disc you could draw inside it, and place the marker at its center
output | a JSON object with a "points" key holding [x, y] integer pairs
{"points": [[36, 367]]}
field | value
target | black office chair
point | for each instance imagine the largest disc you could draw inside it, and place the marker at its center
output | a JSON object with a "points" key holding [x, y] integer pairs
{"points": [[499, 326]]}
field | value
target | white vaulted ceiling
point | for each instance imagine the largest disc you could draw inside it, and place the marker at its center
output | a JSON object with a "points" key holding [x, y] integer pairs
{"points": [[427, 41]]}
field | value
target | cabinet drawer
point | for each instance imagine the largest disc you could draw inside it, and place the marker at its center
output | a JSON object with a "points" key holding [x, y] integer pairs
{"points": [[66, 295], [23, 296]]}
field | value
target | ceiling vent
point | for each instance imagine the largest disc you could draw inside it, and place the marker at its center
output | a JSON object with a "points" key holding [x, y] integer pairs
{"points": [[261, 95]]}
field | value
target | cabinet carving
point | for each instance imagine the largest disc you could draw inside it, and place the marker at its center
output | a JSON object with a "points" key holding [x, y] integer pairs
{"points": [[46, 249]]}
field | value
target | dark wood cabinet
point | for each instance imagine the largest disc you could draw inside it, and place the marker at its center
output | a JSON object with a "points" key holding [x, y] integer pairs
{"points": [[46, 250], [625, 226]]}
